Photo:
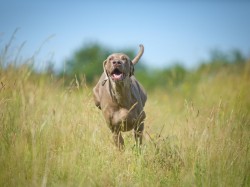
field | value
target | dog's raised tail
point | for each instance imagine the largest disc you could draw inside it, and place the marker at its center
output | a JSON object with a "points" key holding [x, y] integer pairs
{"points": [[138, 56]]}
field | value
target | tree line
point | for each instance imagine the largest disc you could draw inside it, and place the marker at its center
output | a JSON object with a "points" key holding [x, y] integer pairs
{"points": [[87, 62]]}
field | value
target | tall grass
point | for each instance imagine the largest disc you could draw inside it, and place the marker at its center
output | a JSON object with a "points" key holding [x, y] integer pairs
{"points": [[54, 136]]}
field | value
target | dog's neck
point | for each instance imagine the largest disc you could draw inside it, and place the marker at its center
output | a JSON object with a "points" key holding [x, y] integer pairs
{"points": [[121, 92]]}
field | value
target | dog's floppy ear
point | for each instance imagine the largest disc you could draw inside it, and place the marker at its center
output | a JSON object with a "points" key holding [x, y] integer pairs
{"points": [[105, 72], [104, 69], [131, 69]]}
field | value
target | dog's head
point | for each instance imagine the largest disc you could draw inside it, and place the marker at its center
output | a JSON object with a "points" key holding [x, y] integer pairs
{"points": [[118, 66]]}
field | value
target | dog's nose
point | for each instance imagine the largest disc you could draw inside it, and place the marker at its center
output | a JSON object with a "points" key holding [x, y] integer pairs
{"points": [[117, 62]]}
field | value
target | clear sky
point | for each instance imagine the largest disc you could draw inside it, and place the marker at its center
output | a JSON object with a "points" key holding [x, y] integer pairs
{"points": [[184, 31]]}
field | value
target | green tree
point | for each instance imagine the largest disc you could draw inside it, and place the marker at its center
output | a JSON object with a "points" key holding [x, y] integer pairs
{"points": [[87, 61], [237, 57]]}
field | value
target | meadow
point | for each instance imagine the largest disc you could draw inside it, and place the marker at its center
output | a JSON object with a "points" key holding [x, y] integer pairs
{"points": [[197, 134]]}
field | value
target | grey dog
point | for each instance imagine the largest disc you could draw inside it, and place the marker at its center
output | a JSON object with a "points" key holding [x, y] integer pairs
{"points": [[121, 97]]}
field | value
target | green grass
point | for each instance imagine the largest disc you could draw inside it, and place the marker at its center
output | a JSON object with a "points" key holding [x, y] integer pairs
{"points": [[55, 136]]}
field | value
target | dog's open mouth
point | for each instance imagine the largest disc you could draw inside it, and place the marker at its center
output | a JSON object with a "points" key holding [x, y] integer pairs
{"points": [[117, 75]]}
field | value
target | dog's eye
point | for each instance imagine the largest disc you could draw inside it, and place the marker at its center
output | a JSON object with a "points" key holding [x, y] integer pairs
{"points": [[124, 58], [111, 58]]}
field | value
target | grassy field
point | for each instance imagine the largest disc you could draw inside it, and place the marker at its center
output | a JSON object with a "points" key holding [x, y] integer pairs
{"points": [[195, 135]]}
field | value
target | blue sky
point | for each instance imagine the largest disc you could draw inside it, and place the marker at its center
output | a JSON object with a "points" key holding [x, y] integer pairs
{"points": [[171, 31]]}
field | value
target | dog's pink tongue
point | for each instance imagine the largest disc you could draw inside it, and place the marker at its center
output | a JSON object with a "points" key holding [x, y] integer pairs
{"points": [[117, 77]]}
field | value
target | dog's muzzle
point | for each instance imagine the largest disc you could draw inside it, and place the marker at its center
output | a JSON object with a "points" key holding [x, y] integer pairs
{"points": [[117, 75]]}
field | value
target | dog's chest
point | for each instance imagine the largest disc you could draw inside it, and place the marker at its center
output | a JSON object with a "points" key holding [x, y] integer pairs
{"points": [[124, 116], [122, 107]]}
